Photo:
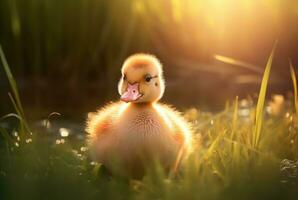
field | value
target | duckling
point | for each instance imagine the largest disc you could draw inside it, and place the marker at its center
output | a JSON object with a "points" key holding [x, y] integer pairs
{"points": [[137, 131]]}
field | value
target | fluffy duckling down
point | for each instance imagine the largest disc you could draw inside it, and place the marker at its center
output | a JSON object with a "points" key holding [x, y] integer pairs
{"points": [[129, 135]]}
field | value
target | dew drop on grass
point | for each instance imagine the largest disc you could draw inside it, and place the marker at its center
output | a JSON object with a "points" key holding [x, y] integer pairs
{"points": [[29, 140], [269, 110], [64, 132], [15, 133], [60, 141], [93, 163], [46, 123], [83, 149]]}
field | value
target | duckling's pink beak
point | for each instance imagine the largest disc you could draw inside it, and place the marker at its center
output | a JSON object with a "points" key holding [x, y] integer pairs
{"points": [[132, 93]]}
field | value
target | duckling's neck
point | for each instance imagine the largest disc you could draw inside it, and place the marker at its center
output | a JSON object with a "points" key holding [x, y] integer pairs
{"points": [[142, 104]]}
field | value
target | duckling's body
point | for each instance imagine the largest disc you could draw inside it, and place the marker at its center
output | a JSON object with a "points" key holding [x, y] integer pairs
{"points": [[134, 135]]}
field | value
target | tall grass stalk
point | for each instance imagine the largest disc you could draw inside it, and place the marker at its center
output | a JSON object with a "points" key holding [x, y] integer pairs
{"points": [[15, 97], [294, 80], [235, 117], [261, 101]]}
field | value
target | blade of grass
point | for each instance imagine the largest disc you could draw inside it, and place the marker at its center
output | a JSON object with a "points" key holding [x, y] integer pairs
{"points": [[213, 145], [15, 97], [239, 63], [10, 115], [234, 148], [254, 150], [261, 101], [235, 118], [294, 80], [11, 80], [22, 125]]}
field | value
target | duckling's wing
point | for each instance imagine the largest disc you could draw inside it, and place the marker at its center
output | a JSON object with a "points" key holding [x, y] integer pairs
{"points": [[181, 128], [181, 133], [101, 122]]}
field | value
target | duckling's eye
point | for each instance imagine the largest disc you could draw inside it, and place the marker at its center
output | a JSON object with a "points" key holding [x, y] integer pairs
{"points": [[148, 78], [124, 77]]}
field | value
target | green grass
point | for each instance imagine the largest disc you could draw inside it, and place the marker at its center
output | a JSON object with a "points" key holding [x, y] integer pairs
{"points": [[294, 80], [240, 153], [15, 97], [261, 103]]}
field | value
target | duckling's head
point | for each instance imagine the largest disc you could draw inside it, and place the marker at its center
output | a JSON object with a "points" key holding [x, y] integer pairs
{"points": [[142, 79]]}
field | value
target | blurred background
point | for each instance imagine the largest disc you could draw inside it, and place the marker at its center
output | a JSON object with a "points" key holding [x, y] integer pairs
{"points": [[66, 55]]}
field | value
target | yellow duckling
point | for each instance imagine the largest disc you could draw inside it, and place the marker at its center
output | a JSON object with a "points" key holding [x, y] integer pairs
{"points": [[138, 130]]}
